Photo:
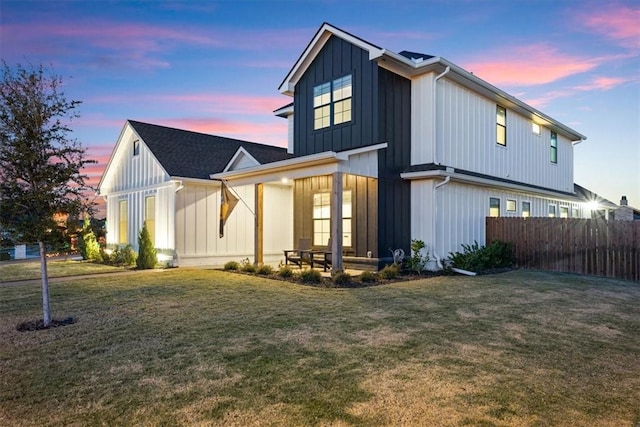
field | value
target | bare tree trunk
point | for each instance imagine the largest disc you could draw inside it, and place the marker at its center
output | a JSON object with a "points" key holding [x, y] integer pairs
{"points": [[46, 310]]}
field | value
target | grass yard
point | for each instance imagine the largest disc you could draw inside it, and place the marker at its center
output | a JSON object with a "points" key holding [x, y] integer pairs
{"points": [[204, 347], [58, 268]]}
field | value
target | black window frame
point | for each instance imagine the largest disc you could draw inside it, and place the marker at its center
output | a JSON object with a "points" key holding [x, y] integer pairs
{"points": [[501, 126], [331, 104], [553, 145]]}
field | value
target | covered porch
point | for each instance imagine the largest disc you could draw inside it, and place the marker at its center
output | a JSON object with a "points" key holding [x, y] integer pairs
{"points": [[333, 206]]}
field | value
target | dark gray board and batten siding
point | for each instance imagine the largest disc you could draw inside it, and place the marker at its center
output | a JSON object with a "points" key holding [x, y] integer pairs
{"points": [[381, 112]]}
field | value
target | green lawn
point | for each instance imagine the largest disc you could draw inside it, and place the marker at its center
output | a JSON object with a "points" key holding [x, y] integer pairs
{"points": [[204, 347], [59, 268]]}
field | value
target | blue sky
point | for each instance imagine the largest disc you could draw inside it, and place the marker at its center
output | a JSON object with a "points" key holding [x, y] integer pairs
{"points": [[215, 66]]}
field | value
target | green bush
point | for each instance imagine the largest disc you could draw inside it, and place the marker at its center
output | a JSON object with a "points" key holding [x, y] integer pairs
{"points": [[389, 272], [285, 271], [417, 261], [310, 276], [121, 256], [87, 242], [232, 265], [147, 255], [342, 278], [265, 270], [480, 258], [368, 277]]}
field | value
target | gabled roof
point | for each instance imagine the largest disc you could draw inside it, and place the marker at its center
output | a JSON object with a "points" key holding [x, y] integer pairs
{"points": [[412, 64], [187, 154]]}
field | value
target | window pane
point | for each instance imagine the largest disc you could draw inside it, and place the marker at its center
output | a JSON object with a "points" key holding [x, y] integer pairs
{"points": [[494, 207], [122, 223], [321, 94], [511, 205], [501, 116], [574, 213], [526, 209], [321, 117], [150, 216], [346, 204], [552, 211], [342, 111], [501, 135], [564, 212], [346, 232], [342, 88], [554, 148]]}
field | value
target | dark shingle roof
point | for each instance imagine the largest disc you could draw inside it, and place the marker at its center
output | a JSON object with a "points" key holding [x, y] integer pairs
{"points": [[415, 55], [197, 155]]}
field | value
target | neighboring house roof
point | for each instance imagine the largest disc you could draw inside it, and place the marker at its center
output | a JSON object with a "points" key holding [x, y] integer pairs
{"points": [[187, 154], [412, 64], [589, 196]]}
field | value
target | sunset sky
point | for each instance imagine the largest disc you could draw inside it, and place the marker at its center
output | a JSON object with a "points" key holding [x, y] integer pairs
{"points": [[215, 66]]}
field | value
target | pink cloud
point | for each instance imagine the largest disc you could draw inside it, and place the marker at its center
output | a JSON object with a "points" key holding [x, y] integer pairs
{"points": [[596, 84], [617, 22], [530, 65]]}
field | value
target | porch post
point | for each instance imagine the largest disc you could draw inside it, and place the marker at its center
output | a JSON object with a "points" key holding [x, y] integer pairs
{"points": [[336, 222], [258, 243]]}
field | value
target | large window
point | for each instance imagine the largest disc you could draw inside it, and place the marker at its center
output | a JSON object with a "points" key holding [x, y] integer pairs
{"points": [[150, 216], [332, 102], [123, 223], [322, 218], [494, 206], [554, 147], [501, 125]]}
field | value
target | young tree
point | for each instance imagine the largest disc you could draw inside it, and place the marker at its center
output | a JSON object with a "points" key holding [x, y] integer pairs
{"points": [[87, 243], [147, 254], [40, 166]]}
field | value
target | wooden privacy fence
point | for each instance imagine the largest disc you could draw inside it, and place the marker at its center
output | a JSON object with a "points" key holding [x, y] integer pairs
{"points": [[587, 246]]}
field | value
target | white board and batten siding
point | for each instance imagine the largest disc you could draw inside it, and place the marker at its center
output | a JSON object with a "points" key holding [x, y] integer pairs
{"points": [[465, 130], [133, 178], [455, 213], [197, 225]]}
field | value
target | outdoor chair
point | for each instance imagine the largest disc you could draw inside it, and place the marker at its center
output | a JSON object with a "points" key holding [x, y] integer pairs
{"points": [[299, 255]]}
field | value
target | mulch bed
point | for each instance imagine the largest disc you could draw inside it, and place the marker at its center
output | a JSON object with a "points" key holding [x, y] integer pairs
{"points": [[38, 325]]}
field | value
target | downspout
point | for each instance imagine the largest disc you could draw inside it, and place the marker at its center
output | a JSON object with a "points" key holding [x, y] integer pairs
{"points": [[435, 112], [435, 159], [435, 231]]}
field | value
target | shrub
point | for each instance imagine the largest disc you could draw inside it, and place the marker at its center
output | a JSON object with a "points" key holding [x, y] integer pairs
{"points": [[310, 276], [87, 243], [121, 256], [341, 278], [249, 268], [417, 262], [265, 270], [368, 277], [285, 271], [232, 265], [147, 255], [480, 258], [389, 272]]}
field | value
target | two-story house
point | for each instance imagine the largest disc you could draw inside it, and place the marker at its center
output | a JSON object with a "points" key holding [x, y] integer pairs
{"points": [[388, 147], [419, 149]]}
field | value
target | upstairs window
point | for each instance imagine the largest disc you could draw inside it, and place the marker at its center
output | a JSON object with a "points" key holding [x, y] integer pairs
{"points": [[554, 147], [501, 126], [136, 147], [332, 102]]}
